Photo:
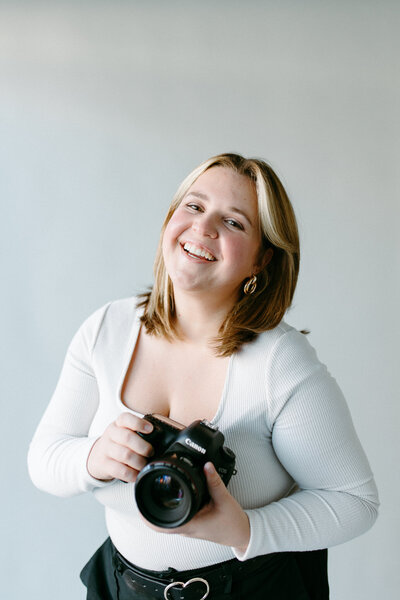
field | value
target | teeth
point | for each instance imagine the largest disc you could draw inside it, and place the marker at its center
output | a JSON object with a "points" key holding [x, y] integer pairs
{"points": [[198, 251]]}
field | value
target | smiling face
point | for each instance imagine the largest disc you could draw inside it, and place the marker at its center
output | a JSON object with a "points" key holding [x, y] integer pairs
{"points": [[212, 241]]}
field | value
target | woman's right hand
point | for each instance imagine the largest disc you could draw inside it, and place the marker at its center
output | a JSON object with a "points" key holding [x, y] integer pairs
{"points": [[120, 453]]}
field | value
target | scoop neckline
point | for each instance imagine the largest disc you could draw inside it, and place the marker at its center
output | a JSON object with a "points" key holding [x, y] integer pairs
{"points": [[132, 341]]}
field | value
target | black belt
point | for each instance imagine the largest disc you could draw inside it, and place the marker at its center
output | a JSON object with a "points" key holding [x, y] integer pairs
{"points": [[196, 584]]}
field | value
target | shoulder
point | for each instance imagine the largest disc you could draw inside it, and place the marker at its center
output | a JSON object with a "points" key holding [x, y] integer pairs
{"points": [[291, 356], [280, 343], [289, 343], [121, 311], [281, 357], [293, 372], [112, 319], [285, 359]]}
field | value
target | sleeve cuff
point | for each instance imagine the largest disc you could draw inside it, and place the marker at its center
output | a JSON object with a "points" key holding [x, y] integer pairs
{"points": [[90, 483], [254, 548]]}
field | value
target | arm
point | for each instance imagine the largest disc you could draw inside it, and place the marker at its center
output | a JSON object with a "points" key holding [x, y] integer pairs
{"points": [[59, 449], [314, 439], [63, 459]]}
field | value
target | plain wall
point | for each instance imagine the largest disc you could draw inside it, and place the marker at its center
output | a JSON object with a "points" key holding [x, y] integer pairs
{"points": [[104, 108]]}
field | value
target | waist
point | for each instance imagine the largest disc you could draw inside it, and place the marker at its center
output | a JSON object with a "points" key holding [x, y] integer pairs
{"points": [[193, 584], [150, 549]]}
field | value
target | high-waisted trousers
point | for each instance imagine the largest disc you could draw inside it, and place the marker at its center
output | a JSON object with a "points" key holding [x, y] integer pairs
{"points": [[280, 576]]}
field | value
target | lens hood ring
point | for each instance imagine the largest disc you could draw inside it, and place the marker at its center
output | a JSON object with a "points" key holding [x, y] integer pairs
{"points": [[168, 493]]}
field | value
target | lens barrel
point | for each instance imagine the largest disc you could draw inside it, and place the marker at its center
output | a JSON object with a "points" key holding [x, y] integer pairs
{"points": [[170, 491]]}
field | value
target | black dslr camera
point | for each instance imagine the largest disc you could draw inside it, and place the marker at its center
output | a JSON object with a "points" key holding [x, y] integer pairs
{"points": [[172, 487]]}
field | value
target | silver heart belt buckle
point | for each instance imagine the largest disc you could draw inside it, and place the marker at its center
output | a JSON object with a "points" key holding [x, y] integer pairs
{"points": [[185, 585]]}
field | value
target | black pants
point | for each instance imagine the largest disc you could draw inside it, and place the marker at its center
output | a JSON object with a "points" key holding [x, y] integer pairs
{"points": [[283, 576]]}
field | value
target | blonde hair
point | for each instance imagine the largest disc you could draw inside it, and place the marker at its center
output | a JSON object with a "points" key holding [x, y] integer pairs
{"points": [[276, 282]]}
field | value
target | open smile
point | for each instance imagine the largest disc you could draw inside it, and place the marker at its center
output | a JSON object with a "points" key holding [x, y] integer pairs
{"points": [[198, 252]]}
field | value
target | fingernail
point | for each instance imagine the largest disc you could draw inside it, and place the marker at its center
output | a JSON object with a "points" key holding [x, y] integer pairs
{"points": [[148, 427], [209, 467]]}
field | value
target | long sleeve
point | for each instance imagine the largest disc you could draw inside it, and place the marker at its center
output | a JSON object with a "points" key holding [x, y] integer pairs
{"points": [[315, 441], [59, 449]]}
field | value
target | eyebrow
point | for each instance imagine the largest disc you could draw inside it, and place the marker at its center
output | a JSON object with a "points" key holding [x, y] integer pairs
{"points": [[230, 208]]}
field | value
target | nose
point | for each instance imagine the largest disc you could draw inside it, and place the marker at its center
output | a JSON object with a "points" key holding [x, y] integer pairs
{"points": [[205, 225]]}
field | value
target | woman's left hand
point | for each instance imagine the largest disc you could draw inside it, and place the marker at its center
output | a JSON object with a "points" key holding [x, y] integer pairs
{"points": [[222, 520]]}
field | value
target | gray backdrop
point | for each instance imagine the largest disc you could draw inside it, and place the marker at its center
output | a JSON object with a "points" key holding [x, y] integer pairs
{"points": [[105, 107]]}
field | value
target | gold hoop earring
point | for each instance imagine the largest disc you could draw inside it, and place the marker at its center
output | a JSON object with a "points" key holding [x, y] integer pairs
{"points": [[251, 285]]}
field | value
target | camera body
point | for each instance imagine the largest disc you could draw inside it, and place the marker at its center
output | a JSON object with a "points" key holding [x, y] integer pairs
{"points": [[172, 487]]}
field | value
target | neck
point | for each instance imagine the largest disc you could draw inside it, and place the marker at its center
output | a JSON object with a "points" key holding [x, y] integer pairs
{"points": [[199, 317]]}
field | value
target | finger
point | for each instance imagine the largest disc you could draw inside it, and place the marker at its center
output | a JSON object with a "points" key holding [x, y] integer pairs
{"points": [[129, 439], [120, 471], [133, 423], [125, 456], [216, 486]]}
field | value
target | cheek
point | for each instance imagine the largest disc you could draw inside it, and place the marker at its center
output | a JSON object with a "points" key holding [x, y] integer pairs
{"points": [[172, 233], [174, 228], [168, 237], [243, 254]]}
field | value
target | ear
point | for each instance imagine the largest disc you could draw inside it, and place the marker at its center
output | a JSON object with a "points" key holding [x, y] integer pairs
{"points": [[264, 261]]}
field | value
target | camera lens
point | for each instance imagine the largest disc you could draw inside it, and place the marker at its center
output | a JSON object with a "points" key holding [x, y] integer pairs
{"points": [[168, 493]]}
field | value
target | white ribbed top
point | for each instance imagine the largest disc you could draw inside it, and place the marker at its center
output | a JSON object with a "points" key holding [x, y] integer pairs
{"points": [[302, 476]]}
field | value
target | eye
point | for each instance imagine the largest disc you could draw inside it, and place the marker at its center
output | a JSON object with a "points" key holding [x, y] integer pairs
{"points": [[235, 224], [193, 206]]}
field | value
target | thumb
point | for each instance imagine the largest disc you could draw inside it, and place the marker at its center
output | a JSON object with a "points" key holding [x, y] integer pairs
{"points": [[216, 486]]}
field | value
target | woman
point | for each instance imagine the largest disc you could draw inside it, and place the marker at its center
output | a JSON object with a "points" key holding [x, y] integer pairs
{"points": [[209, 342]]}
